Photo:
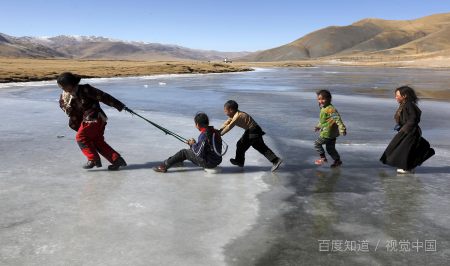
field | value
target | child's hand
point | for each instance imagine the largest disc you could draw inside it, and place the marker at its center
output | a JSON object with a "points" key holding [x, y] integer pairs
{"points": [[316, 129], [343, 133], [190, 142]]}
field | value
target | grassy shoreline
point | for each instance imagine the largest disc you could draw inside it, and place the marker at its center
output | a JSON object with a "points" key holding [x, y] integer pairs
{"points": [[30, 69], [27, 69]]}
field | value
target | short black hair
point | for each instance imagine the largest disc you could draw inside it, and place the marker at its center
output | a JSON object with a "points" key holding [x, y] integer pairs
{"points": [[232, 105], [68, 79], [324, 93], [409, 92], [201, 119]]}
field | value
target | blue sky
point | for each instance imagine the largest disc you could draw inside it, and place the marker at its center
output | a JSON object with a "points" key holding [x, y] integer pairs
{"points": [[228, 26]]}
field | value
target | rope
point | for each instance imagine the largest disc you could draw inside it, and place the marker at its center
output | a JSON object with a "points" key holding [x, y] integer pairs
{"points": [[215, 149], [168, 132]]}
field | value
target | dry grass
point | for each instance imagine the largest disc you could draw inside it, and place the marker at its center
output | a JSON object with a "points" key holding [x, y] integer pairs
{"points": [[25, 69], [28, 69]]}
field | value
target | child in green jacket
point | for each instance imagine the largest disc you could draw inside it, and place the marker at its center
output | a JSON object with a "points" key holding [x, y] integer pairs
{"points": [[329, 125]]}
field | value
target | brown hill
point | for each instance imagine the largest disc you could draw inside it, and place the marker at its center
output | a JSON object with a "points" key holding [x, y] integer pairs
{"points": [[246, 58], [368, 37], [17, 47]]}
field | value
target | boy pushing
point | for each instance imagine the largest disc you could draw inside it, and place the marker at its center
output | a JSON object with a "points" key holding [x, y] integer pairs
{"points": [[252, 136]]}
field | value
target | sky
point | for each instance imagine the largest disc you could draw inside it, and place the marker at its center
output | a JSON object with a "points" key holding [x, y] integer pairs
{"points": [[226, 26]]}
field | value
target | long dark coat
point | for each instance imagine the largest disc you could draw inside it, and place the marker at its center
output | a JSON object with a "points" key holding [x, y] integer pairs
{"points": [[408, 149]]}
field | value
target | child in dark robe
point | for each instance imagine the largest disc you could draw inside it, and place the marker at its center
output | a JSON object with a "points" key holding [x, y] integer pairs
{"points": [[408, 149]]}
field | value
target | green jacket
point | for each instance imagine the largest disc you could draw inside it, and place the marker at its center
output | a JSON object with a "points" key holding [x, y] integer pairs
{"points": [[330, 122]]}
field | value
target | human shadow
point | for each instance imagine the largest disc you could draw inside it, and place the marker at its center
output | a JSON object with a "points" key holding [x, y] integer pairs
{"points": [[246, 169], [147, 165], [178, 167], [188, 167]]}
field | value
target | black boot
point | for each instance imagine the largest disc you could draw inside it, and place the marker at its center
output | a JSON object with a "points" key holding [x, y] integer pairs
{"points": [[119, 162], [233, 161], [91, 164]]}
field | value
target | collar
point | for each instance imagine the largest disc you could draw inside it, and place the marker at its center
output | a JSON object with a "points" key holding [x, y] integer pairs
{"points": [[211, 129], [74, 90]]}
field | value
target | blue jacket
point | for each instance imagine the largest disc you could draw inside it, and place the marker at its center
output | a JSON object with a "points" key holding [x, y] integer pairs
{"points": [[203, 150]]}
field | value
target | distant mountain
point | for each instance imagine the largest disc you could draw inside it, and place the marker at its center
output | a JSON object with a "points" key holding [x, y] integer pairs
{"points": [[93, 47], [246, 58], [21, 47], [367, 37]]}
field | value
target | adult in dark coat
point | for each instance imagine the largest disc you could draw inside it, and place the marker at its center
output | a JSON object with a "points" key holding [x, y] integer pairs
{"points": [[407, 149]]}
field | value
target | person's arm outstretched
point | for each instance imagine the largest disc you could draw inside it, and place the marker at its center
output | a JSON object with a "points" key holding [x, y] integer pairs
{"points": [[103, 97]]}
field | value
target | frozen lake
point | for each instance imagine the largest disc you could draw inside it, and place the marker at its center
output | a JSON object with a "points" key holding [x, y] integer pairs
{"points": [[53, 212]]}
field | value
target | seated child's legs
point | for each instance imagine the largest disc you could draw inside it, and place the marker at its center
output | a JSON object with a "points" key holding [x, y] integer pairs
{"points": [[332, 150], [182, 155]]}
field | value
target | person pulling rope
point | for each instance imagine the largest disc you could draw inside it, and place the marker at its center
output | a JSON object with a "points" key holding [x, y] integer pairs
{"points": [[168, 132]]}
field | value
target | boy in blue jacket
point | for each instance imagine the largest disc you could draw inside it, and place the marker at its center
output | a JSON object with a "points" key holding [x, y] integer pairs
{"points": [[202, 152]]}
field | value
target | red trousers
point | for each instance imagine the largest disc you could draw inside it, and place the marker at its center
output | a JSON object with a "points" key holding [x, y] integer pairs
{"points": [[90, 139]]}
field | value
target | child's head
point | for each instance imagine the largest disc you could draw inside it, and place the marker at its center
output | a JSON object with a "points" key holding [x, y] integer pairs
{"points": [[201, 120], [67, 81], [324, 97], [406, 93], [230, 108]]}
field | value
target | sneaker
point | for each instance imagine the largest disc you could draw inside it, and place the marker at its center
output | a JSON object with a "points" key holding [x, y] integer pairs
{"points": [[336, 163], [233, 161], [401, 171], [91, 164], [162, 168], [321, 161], [119, 162], [276, 163]]}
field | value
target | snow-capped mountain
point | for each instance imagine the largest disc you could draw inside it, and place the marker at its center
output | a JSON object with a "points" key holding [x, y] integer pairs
{"points": [[97, 47]]}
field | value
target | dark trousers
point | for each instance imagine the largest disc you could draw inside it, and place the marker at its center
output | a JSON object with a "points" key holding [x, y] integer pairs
{"points": [[186, 154], [253, 138]]}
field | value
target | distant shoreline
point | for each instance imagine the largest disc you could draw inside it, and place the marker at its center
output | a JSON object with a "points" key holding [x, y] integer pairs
{"points": [[438, 62], [29, 69], [14, 70]]}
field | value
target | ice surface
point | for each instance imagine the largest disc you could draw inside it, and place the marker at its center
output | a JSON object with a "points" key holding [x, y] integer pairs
{"points": [[53, 212]]}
